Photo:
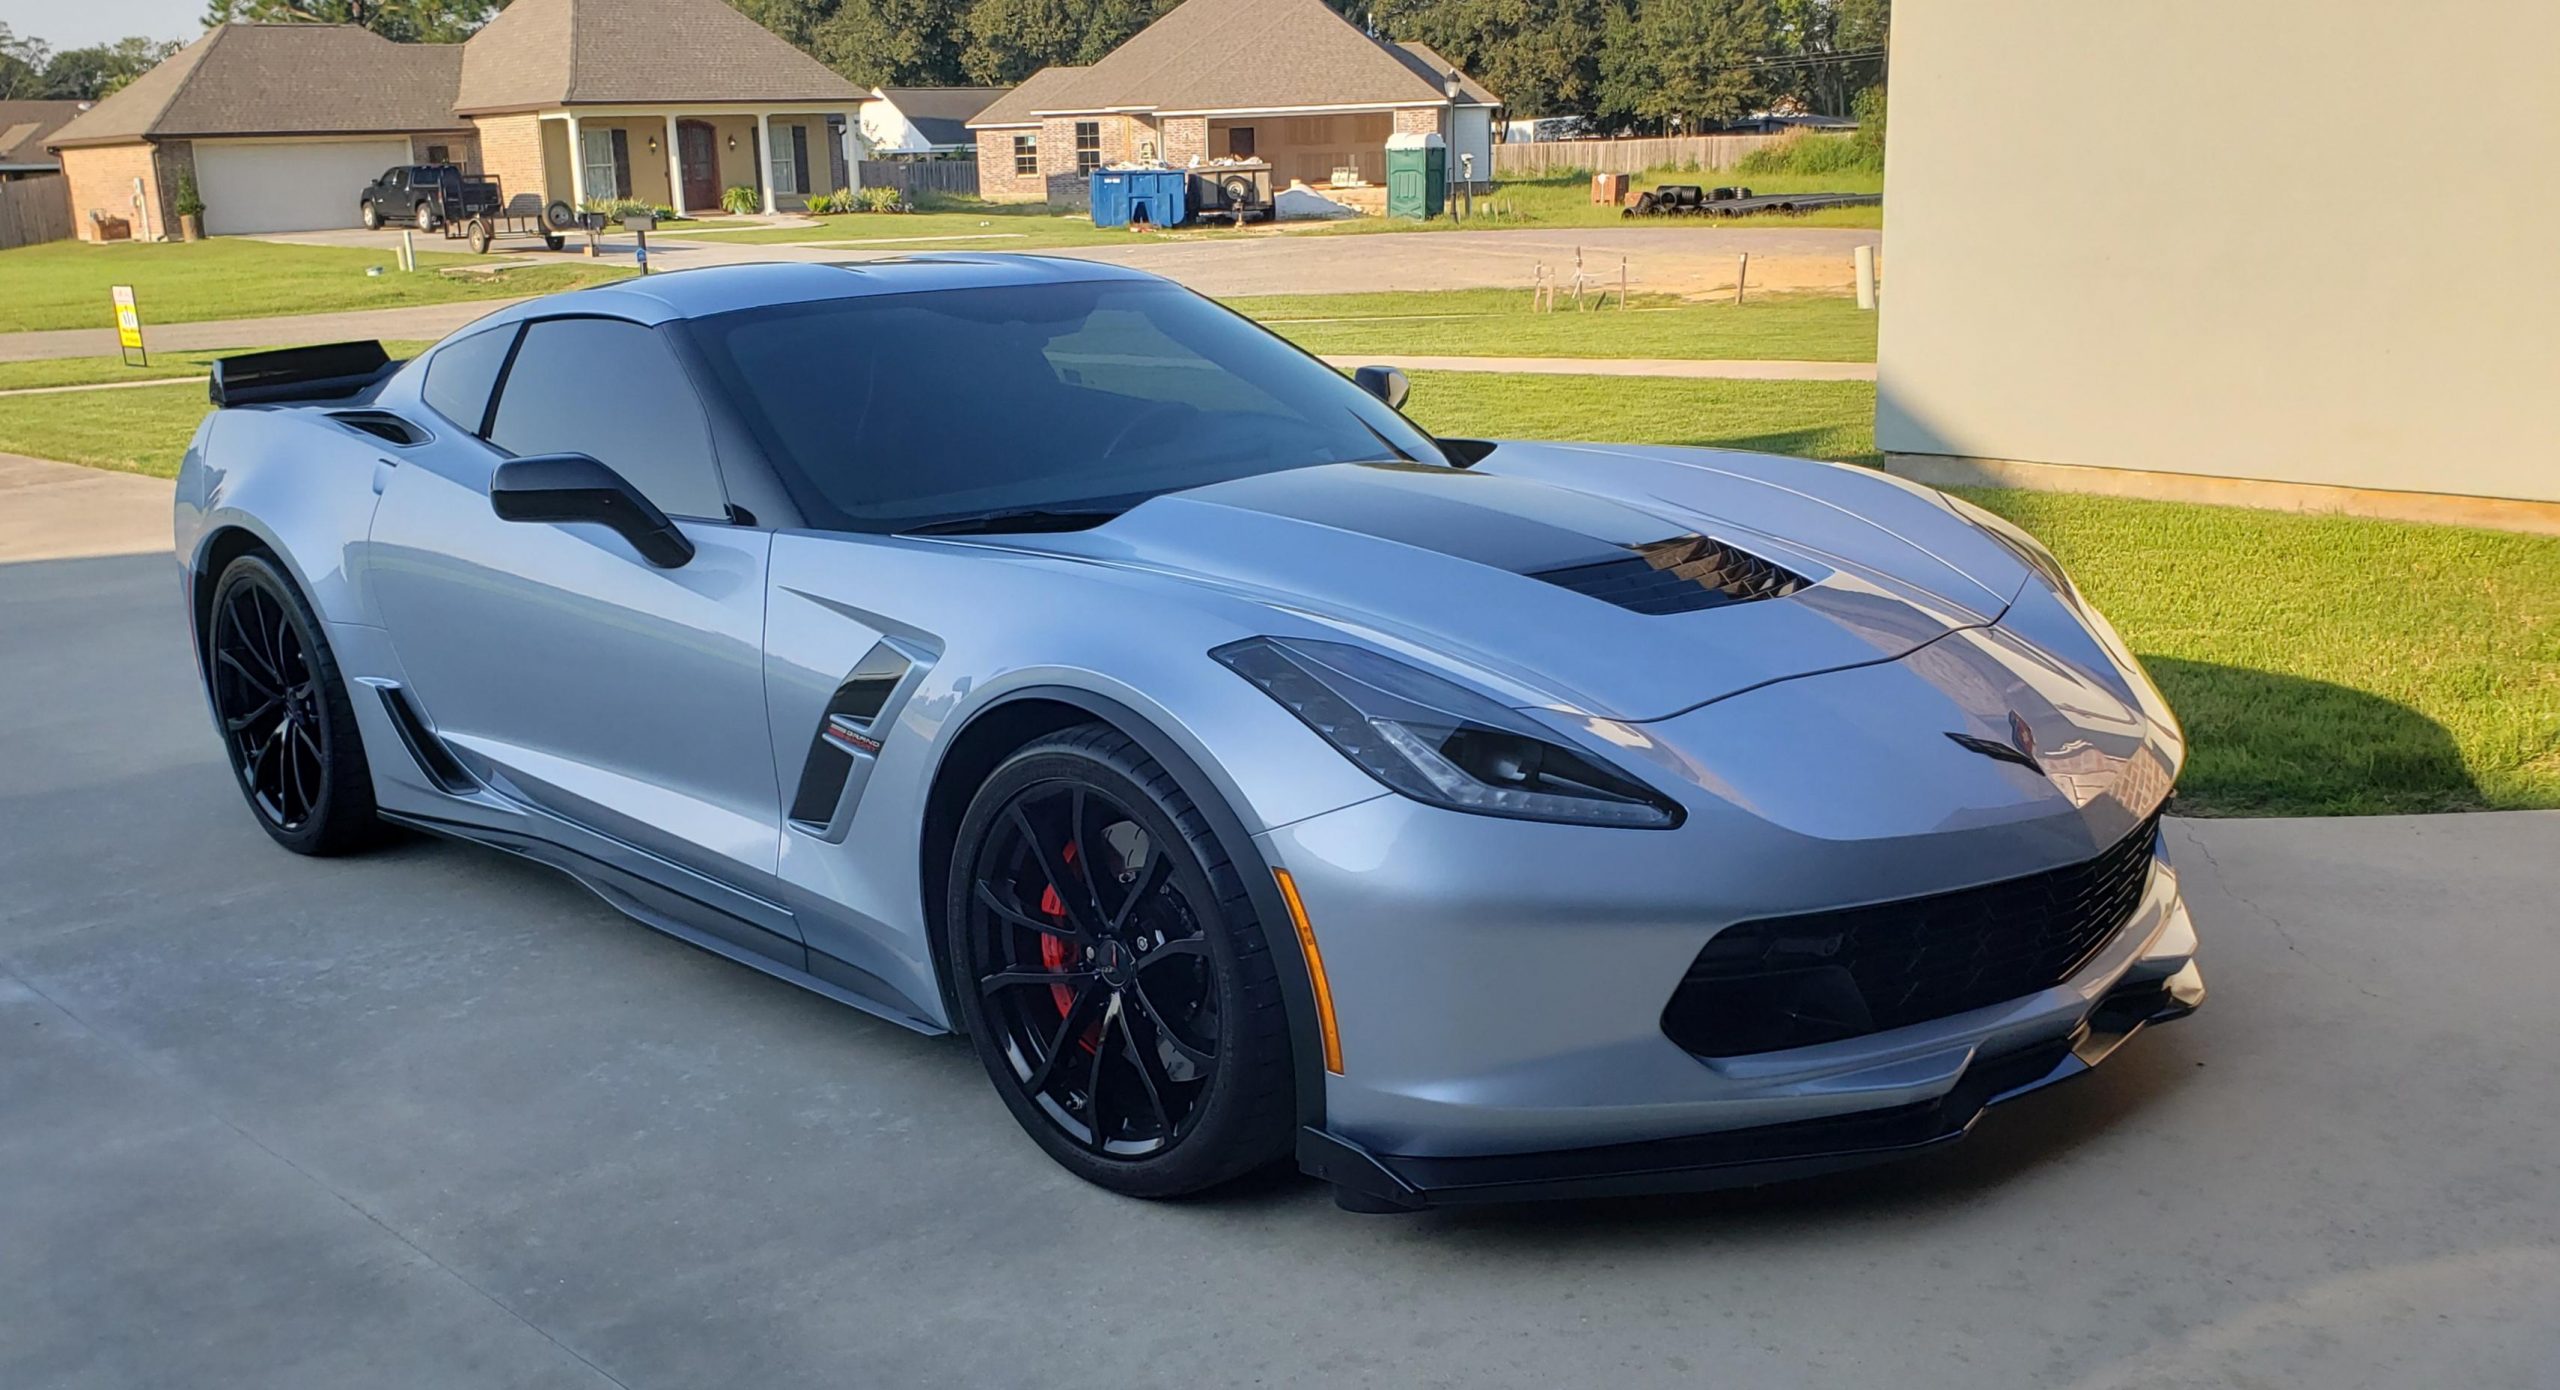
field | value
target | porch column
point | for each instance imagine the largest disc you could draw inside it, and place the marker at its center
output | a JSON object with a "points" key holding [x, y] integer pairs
{"points": [[853, 147], [577, 167], [675, 169], [764, 159]]}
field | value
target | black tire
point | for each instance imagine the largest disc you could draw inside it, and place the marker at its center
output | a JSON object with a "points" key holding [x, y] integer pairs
{"points": [[553, 241], [1170, 967], [425, 217], [372, 216], [479, 235], [304, 775]]}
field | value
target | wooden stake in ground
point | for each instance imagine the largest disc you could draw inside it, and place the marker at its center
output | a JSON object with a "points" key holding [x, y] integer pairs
{"points": [[1741, 277]]}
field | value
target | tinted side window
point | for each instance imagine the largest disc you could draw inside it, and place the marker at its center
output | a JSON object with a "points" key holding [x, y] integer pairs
{"points": [[460, 375], [613, 390]]}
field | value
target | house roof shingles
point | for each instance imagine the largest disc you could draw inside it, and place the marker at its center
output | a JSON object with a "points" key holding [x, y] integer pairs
{"points": [[280, 79], [1235, 55], [24, 128], [940, 114], [545, 53]]}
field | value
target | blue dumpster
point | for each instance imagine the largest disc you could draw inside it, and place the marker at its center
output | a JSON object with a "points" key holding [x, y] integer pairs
{"points": [[1157, 197]]}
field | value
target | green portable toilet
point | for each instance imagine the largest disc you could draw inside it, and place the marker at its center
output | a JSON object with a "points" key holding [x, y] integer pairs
{"points": [[1417, 175]]}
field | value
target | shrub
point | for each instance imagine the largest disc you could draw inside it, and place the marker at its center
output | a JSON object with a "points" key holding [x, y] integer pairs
{"points": [[616, 209], [1810, 152], [881, 200], [189, 203], [740, 198]]}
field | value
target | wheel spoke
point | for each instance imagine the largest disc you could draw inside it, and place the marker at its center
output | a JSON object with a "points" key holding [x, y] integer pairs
{"points": [[1054, 869], [1138, 890], [1068, 1026], [1015, 979], [1093, 1085], [264, 685], [1187, 946], [1157, 1021], [261, 713], [1151, 1074], [293, 763], [1017, 917], [1080, 829]]}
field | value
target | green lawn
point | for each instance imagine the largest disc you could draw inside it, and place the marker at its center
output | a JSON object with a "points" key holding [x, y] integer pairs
{"points": [[1497, 323], [2322, 665], [84, 371], [64, 284]]}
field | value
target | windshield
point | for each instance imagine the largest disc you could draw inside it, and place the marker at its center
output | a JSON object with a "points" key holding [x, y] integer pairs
{"points": [[891, 412]]}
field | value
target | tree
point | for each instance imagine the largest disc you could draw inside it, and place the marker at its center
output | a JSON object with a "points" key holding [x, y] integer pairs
{"points": [[892, 43], [86, 74], [1685, 63], [1005, 41], [1541, 56], [1825, 39], [22, 64], [406, 21]]}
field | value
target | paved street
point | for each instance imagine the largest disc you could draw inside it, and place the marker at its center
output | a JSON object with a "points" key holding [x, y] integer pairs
{"points": [[1686, 260], [436, 1117]]}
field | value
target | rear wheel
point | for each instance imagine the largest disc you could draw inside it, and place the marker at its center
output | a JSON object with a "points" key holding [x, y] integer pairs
{"points": [[285, 718], [426, 217], [1112, 974]]}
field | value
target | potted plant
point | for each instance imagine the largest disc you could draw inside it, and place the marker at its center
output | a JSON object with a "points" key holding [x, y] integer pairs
{"points": [[190, 209]]}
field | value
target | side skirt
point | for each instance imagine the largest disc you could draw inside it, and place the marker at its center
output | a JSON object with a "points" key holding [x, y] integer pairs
{"points": [[694, 922]]}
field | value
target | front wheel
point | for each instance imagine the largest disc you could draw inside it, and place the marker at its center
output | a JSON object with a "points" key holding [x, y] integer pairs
{"points": [[372, 217], [284, 714], [1111, 973]]}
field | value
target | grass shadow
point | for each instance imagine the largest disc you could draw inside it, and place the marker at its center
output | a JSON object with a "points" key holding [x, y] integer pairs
{"points": [[2266, 743]]}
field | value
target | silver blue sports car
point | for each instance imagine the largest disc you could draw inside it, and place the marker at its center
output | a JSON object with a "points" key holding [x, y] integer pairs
{"points": [[1034, 650]]}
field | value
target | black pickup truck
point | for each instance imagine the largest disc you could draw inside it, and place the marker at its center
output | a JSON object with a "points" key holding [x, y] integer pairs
{"points": [[426, 195]]}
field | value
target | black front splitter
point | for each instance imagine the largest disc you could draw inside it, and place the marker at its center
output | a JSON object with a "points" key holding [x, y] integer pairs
{"points": [[1373, 1182]]}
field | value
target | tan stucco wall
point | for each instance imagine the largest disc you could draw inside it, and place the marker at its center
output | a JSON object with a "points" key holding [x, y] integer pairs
{"points": [[2204, 238]]}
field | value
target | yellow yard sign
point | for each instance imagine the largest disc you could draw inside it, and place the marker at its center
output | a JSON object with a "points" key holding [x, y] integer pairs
{"points": [[128, 326]]}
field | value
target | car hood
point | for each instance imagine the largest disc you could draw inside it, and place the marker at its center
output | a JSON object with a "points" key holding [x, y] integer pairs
{"points": [[1524, 567]]}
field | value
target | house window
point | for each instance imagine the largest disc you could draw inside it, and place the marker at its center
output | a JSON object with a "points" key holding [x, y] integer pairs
{"points": [[1088, 146], [1026, 156], [604, 163], [791, 159], [1240, 141], [439, 154]]}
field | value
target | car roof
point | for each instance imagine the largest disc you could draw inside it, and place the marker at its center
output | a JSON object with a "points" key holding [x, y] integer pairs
{"points": [[690, 294]]}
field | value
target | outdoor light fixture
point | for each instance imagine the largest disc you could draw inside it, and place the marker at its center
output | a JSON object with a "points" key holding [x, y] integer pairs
{"points": [[1451, 84], [733, 142], [653, 144]]}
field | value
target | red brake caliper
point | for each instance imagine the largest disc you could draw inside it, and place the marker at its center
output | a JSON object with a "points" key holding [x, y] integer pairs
{"points": [[1058, 953]]}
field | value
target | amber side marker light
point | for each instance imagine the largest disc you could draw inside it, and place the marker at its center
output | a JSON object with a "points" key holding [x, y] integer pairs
{"points": [[1315, 969]]}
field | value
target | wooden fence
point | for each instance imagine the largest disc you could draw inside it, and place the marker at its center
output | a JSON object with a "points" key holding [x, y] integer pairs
{"points": [[34, 209], [911, 177], [1707, 152]]}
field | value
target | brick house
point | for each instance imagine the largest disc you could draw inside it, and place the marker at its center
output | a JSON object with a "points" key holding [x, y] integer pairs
{"points": [[280, 126], [1289, 82]]}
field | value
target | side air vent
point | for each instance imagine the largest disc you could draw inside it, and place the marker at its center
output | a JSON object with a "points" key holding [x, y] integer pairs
{"points": [[381, 424], [1681, 575], [847, 738], [429, 751]]}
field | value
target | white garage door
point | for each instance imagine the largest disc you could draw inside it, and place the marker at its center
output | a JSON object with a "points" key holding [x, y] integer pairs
{"points": [[289, 185]]}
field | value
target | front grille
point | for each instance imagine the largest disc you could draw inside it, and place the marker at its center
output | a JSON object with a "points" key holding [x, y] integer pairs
{"points": [[1680, 575], [1794, 981]]}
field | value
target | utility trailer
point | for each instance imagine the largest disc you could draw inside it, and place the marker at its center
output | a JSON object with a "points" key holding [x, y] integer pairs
{"points": [[523, 215]]}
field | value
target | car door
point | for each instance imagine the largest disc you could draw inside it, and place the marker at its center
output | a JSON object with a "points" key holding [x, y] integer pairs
{"points": [[391, 195], [567, 671]]}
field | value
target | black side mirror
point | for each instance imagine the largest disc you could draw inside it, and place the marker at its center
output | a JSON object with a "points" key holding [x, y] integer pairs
{"points": [[1385, 383], [574, 487]]}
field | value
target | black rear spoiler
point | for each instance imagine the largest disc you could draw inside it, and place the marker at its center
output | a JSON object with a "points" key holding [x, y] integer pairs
{"points": [[331, 371]]}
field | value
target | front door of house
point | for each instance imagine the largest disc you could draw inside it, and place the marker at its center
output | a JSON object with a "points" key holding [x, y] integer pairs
{"points": [[697, 157]]}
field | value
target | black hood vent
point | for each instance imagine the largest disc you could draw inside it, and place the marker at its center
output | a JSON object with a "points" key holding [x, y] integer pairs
{"points": [[1681, 575]]}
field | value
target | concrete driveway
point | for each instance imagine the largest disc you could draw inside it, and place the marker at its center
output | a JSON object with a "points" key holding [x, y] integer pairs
{"points": [[435, 1117]]}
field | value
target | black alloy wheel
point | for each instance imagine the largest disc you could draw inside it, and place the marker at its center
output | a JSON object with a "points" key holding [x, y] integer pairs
{"points": [[284, 714], [1111, 974]]}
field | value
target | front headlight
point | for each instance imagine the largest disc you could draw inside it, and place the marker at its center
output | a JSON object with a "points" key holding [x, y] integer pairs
{"points": [[1439, 742]]}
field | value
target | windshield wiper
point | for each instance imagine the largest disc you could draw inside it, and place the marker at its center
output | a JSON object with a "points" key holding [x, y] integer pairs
{"points": [[1016, 519]]}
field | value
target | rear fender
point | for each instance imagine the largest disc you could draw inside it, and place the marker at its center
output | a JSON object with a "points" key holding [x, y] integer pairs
{"points": [[299, 483]]}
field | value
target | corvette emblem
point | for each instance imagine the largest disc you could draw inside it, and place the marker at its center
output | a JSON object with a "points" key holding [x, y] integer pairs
{"points": [[2020, 749]]}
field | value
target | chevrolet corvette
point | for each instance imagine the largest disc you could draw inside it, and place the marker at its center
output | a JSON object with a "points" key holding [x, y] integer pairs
{"points": [[1033, 650]]}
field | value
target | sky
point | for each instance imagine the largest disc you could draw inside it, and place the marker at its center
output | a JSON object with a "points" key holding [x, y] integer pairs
{"points": [[80, 23]]}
